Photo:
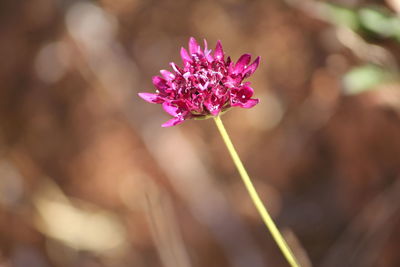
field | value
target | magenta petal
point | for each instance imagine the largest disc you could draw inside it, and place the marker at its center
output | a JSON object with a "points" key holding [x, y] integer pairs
{"points": [[215, 112], [193, 46], [173, 122], [213, 108], [246, 91], [241, 97], [151, 98], [229, 64], [207, 52], [241, 63], [170, 109], [176, 68], [233, 81], [185, 56], [251, 68], [169, 76], [205, 45], [250, 103], [160, 83], [219, 52]]}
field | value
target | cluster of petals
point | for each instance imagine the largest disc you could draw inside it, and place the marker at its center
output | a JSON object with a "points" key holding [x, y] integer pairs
{"points": [[205, 86]]}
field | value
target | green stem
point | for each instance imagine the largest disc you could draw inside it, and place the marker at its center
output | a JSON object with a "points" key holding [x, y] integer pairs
{"points": [[255, 197]]}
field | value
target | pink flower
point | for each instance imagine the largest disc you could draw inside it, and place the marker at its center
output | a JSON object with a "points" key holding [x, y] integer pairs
{"points": [[206, 85]]}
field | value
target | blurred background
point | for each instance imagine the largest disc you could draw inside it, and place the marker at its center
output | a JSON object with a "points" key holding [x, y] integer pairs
{"points": [[89, 178]]}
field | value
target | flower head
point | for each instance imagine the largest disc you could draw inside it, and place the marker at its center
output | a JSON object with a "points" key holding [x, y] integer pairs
{"points": [[206, 85]]}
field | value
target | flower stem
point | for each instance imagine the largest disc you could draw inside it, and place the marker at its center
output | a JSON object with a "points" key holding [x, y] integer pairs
{"points": [[286, 251]]}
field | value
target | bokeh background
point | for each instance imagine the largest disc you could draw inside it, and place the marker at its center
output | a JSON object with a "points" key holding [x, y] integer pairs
{"points": [[89, 178]]}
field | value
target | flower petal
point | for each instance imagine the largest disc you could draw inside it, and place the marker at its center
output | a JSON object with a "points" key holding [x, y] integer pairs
{"points": [[176, 68], [241, 97], [185, 56], [160, 83], [205, 45], [212, 105], [251, 68], [170, 109], [246, 92], [250, 103], [241, 63], [173, 122], [193, 46], [207, 52], [219, 52], [151, 98], [214, 110], [169, 76]]}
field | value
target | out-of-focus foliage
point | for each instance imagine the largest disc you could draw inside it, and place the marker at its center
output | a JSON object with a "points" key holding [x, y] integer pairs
{"points": [[88, 178], [380, 22], [366, 77], [376, 20]]}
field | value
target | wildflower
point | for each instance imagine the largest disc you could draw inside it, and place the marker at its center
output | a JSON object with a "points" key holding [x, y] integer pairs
{"points": [[205, 86]]}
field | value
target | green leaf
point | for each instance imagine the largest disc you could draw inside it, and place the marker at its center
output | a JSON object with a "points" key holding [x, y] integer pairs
{"points": [[343, 16], [365, 78], [378, 21]]}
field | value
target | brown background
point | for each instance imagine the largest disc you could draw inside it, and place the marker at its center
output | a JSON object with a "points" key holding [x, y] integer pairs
{"points": [[89, 178]]}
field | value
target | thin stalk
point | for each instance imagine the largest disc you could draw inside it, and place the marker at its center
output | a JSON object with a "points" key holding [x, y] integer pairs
{"points": [[286, 251]]}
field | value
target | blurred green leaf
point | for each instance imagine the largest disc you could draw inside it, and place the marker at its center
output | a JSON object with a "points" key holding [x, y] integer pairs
{"points": [[378, 21], [343, 16], [375, 20], [395, 22], [365, 78]]}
